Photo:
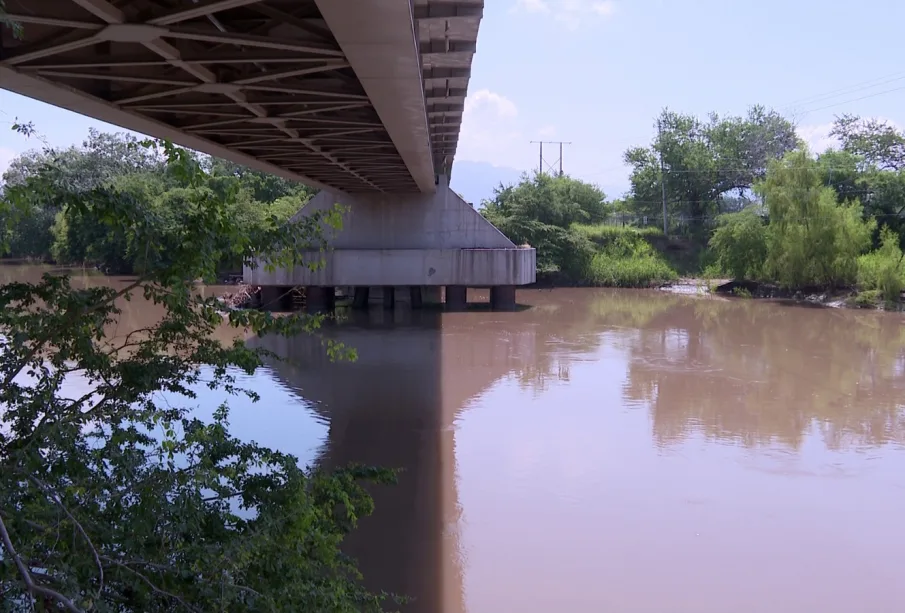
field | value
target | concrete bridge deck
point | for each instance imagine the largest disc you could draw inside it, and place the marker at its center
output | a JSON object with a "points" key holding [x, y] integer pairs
{"points": [[360, 98]]}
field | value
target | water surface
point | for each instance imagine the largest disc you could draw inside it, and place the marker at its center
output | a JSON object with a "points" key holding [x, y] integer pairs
{"points": [[611, 451]]}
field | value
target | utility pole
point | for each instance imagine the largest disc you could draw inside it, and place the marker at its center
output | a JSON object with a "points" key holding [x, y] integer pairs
{"points": [[662, 178], [541, 162]]}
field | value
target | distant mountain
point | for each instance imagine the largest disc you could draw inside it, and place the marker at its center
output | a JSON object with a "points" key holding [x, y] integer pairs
{"points": [[475, 181]]}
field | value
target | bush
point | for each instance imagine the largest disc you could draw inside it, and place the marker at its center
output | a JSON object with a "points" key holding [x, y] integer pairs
{"points": [[883, 270], [603, 233], [812, 239], [540, 212], [740, 244], [645, 271], [624, 257]]}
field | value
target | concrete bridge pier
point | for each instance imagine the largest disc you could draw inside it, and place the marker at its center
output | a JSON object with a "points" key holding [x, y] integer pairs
{"points": [[502, 298], [319, 299], [456, 297], [403, 248]]}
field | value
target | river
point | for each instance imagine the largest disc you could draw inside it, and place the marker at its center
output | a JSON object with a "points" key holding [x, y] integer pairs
{"points": [[609, 450]]}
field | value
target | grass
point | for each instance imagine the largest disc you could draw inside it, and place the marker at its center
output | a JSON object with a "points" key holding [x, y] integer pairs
{"points": [[603, 233], [625, 257]]}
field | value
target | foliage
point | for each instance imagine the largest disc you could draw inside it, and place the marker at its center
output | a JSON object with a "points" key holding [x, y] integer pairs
{"points": [[704, 162], [740, 244], [540, 211], [812, 239], [113, 497], [64, 234], [875, 141], [883, 270], [871, 166], [603, 233], [624, 257], [645, 270]]}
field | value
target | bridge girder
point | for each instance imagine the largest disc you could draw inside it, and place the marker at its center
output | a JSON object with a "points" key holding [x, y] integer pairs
{"points": [[278, 85]]}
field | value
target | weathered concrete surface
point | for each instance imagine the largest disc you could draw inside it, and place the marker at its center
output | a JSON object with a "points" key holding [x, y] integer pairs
{"points": [[381, 267], [441, 220], [408, 239]]}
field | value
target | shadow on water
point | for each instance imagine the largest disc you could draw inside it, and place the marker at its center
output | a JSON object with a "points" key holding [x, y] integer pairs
{"points": [[388, 409]]}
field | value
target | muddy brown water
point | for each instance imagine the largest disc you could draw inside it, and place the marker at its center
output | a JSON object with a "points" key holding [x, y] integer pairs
{"points": [[608, 450]]}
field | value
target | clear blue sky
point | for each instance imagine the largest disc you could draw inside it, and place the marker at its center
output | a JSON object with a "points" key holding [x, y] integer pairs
{"points": [[597, 72]]}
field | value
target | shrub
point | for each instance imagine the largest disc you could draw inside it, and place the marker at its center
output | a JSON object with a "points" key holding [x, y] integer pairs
{"points": [[624, 257], [883, 270], [740, 244], [644, 271]]}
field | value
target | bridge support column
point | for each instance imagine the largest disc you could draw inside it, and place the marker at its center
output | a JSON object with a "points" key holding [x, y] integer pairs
{"points": [[360, 301], [275, 297], [431, 294], [319, 298], [389, 297], [502, 298], [456, 297], [415, 296]]}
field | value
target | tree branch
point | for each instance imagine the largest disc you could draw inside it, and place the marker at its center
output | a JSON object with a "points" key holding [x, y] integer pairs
{"points": [[33, 588], [29, 356], [150, 583], [97, 560]]}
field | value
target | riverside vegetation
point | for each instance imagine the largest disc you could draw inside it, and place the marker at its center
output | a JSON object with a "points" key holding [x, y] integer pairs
{"points": [[745, 200], [113, 495]]}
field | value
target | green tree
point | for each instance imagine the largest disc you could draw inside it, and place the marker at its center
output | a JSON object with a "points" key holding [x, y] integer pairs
{"points": [[883, 270], [117, 499], [540, 211], [740, 244], [876, 149], [812, 238], [51, 230], [263, 187], [704, 160], [875, 141]]}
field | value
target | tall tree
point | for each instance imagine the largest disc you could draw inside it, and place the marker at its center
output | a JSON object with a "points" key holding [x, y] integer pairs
{"points": [[812, 238], [704, 160], [872, 161], [876, 141]]}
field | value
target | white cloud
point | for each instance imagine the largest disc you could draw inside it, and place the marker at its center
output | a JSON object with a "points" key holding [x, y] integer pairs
{"points": [[534, 6], [491, 132], [604, 8], [571, 13], [486, 99], [817, 137]]}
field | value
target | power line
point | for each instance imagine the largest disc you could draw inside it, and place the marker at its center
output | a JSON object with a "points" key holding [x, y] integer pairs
{"points": [[829, 106], [835, 93]]}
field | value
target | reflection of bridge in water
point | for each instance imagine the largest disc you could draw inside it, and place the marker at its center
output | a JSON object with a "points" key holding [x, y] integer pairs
{"points": [[395, 406]]}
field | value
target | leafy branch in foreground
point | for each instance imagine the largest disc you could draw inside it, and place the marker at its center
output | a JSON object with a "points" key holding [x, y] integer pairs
{"points": [[112, 498]]}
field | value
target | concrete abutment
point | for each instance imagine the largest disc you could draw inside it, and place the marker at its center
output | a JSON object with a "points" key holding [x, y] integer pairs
{"points": [[405, 248]]}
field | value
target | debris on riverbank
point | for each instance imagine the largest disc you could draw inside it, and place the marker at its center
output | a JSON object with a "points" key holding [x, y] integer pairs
{"points": [[244, 297], [845, 297]]}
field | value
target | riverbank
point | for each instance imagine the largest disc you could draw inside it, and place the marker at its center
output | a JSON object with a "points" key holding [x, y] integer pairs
{"points": [[644, 258]]}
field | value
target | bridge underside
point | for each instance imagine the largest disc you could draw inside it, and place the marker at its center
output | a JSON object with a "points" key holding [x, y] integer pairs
{"points": [[343, 94]]}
